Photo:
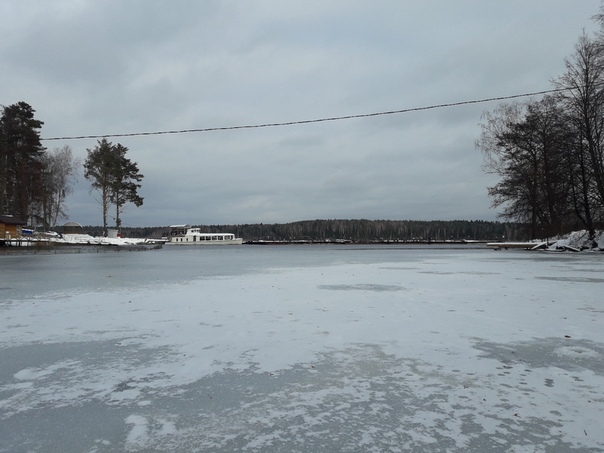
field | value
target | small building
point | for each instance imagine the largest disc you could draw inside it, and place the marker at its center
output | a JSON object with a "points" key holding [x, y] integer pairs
{"points": [[72, 228], [10, 227]]}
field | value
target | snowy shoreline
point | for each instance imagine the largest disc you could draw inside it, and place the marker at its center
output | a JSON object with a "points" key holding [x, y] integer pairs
{"points": [[78, 243], [578, 241]]}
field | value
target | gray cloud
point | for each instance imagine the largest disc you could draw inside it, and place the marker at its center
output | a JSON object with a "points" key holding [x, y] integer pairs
{"points": [[117, 67]]}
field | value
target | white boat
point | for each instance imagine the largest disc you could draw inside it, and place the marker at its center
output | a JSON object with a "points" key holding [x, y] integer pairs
{"points": [[185, 235]]}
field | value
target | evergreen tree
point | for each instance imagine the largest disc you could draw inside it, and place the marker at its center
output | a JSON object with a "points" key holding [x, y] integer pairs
{"points": [[99, 168], [126, 183], [114, 177], [21, 161]]}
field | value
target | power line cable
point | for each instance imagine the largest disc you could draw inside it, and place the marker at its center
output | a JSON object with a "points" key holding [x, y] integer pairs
{"points": [[316, 120]]}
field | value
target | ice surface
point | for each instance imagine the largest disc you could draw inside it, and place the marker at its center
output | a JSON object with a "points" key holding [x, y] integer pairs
{"points": [[341, 349]]}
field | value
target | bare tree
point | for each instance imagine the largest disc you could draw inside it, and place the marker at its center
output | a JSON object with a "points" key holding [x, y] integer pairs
{"points": [[583, 98], [59, 178], [525, 144]]}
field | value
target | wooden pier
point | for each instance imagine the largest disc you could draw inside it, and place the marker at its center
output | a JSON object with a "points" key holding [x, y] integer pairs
{"points": [[517, 245]]}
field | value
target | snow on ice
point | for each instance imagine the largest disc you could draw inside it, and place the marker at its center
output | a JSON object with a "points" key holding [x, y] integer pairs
{"points": [[467, 350]]}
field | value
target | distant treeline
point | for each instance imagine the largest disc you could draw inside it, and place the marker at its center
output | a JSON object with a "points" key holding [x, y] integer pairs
{"points": [[352, 230]]}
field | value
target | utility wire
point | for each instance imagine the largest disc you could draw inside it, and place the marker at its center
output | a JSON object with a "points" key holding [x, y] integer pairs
{"points": [[317, 120]]}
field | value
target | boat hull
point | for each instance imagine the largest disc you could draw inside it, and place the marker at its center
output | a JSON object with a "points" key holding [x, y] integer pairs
{"points": [[190, 242]]}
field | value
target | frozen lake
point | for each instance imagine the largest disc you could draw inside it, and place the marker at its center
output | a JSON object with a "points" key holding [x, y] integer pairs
{"points": [[302, 349]]}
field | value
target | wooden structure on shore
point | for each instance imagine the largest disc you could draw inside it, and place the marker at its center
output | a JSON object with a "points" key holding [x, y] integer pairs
{"points": [[517, 245], [10, 228]]}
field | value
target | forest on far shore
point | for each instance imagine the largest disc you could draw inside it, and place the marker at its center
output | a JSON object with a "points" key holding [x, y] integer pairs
{"points": [[351, 230]]}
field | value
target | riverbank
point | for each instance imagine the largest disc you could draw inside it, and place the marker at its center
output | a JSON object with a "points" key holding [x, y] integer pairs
{"points": [[53, 243]]}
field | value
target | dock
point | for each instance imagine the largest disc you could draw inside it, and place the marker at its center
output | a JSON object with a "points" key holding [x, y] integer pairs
{"points": [[517, 245]]}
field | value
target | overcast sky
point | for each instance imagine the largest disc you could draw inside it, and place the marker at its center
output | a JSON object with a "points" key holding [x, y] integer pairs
{"points": [[113, 67]]}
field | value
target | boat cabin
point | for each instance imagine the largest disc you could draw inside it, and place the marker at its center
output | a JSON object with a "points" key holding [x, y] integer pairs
{"points": [[178, 230], [195, 235], [185, 234]]}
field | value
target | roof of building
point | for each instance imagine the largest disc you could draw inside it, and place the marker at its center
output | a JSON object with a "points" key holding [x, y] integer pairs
{"points": [[10, 220], [73, 224]]}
